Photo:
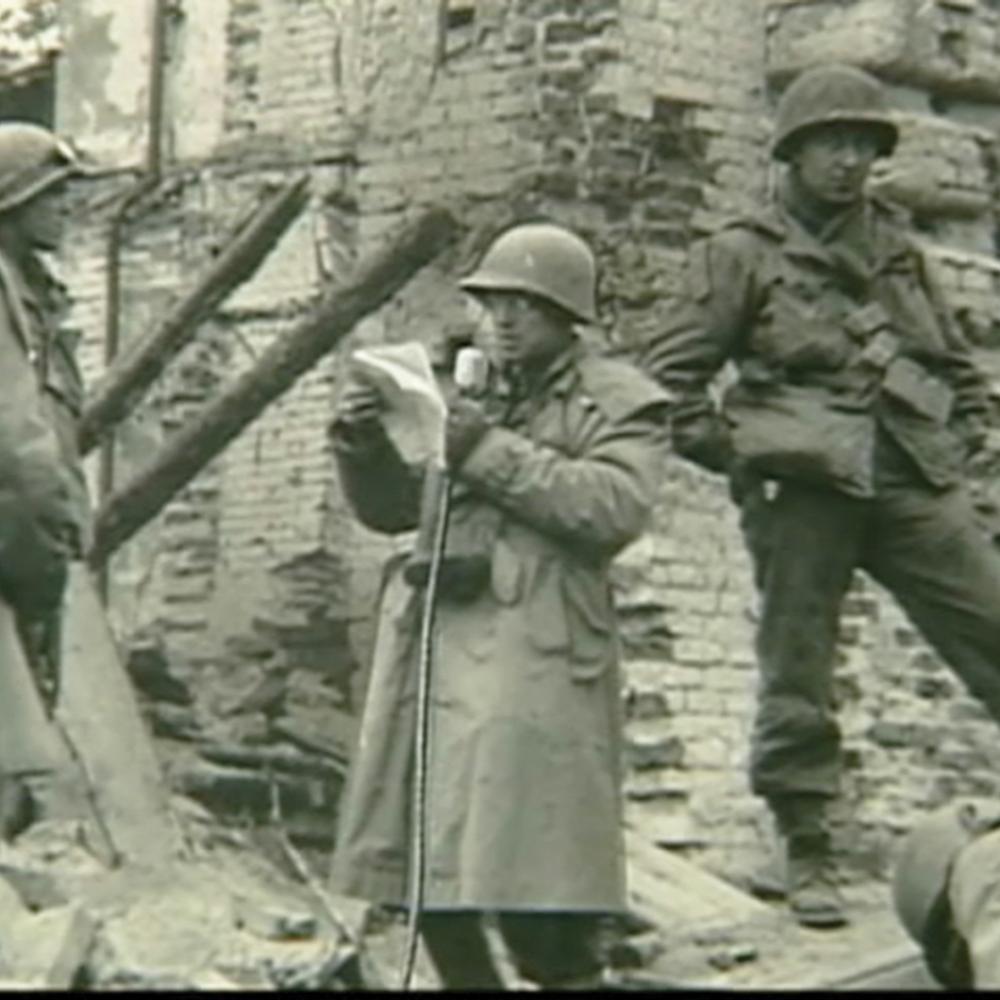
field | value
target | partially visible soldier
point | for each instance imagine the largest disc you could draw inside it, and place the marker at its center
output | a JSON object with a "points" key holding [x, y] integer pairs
{"points": [[946, 889], [845, 438], [44, 513], [554, 471]]}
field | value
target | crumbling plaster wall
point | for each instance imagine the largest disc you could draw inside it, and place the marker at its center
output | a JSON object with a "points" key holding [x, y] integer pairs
{"points": [[638, 122]]}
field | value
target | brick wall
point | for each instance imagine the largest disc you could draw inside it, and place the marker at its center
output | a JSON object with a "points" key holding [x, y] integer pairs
{"points": [[640, 123]]}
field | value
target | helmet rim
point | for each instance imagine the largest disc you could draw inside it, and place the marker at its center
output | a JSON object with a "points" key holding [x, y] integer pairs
{"points": [[502, 275], [888, 131]]}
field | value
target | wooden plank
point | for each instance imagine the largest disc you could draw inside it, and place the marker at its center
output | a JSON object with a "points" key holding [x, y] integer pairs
{"points": [[98, 713], [683, 891], [656, 901]]}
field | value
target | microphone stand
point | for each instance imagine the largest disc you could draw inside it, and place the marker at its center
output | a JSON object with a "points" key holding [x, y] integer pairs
{"points": [[471, 376], [421, 755]]}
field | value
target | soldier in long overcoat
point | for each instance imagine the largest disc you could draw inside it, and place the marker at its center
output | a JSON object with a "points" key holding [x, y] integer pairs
{"points": [[845, 436], [44, 513], [553, 474]]}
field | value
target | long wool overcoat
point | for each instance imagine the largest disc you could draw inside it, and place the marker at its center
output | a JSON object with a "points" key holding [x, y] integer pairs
{"points": [[43, 505], [524, 787]]}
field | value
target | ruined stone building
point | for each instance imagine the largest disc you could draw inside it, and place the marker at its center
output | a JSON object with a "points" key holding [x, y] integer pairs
{"points": [[641, 123]]}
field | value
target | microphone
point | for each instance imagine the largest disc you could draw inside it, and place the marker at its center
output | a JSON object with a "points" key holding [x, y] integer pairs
{"points": [[472, 371]]}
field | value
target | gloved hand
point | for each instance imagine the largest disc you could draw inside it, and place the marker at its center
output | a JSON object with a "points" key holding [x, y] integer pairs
{"points": [[466, 424], [358, 409]]}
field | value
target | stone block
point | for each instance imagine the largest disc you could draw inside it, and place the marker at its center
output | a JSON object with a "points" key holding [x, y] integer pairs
{"points": [[710, 753], [642, 705], [938, 168], [925, 659], [38, 888], [697, 652], [654, 785], [636, 951], [268, 920], [947, 48], [933, 687], [966, 710], [649, 750], [891, 734]]}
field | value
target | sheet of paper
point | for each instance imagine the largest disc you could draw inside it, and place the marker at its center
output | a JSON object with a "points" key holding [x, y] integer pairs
{"points": [[415, 409]]}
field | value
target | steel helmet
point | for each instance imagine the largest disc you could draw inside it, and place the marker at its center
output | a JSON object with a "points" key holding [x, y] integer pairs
{"points": [[920, 878], [545, 260], [832, 93], [32, 160]]}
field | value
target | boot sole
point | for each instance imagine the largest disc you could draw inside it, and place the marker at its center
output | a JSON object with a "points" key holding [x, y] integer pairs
{"points": [[825, 921]]}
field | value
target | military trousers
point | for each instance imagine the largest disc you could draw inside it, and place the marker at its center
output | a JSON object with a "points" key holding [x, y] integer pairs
{"points": [[551, 949], [922, 544]]}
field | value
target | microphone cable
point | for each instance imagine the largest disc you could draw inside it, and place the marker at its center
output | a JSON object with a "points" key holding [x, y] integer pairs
{"points": [[422, 735]]}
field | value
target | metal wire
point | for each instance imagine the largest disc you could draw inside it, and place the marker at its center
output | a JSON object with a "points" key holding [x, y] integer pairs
{"points": [[421, 743]]}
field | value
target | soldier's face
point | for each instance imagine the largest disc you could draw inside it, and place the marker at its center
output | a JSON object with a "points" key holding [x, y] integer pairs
{"points": [[523, 331], [40, 220], [832, 161]]}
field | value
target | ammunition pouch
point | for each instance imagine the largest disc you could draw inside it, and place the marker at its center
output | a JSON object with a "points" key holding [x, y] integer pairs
{"points": [[802, 433], [909, 383], [460, 577]]}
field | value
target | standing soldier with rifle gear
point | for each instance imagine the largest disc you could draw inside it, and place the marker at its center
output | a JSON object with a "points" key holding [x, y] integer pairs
{"points": [[553, 473], [44, 512], [845, 438]]}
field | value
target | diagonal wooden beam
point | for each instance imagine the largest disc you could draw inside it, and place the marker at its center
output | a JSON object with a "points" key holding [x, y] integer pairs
{"points": [[374, 282], [118, 393]]}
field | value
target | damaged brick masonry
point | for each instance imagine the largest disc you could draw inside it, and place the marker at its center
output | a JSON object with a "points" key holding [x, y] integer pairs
{"points": [[641, 123]]}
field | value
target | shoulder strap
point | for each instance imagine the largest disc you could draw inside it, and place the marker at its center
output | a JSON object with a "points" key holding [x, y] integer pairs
{"points": [[619, 388]]}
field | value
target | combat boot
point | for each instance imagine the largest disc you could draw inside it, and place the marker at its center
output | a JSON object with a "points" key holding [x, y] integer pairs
{"points": [[810, 877], [813, 896]]}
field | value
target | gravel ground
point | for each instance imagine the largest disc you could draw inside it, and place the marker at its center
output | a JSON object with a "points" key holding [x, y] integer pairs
{"points": [[775, 952], [771, 953]]}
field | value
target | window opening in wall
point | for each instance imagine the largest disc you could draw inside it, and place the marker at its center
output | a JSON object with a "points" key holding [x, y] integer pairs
{"points": [[459, 17], [29, 97], [456, 28]]}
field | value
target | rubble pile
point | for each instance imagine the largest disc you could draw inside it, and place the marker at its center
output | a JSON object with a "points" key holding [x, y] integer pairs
{"points": [[264, 738], [221, 917]]}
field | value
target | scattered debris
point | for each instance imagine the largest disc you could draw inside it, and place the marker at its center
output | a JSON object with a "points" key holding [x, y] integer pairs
{"points": [[221, 917], [726, 958], [272, 921], [149, 666], [636, 951]]}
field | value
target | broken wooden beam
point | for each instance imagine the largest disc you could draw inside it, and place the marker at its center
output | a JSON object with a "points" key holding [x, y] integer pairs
{"points": [[98, 714], [373, 283], [135, 370], [671, 892], [268, 758]]}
